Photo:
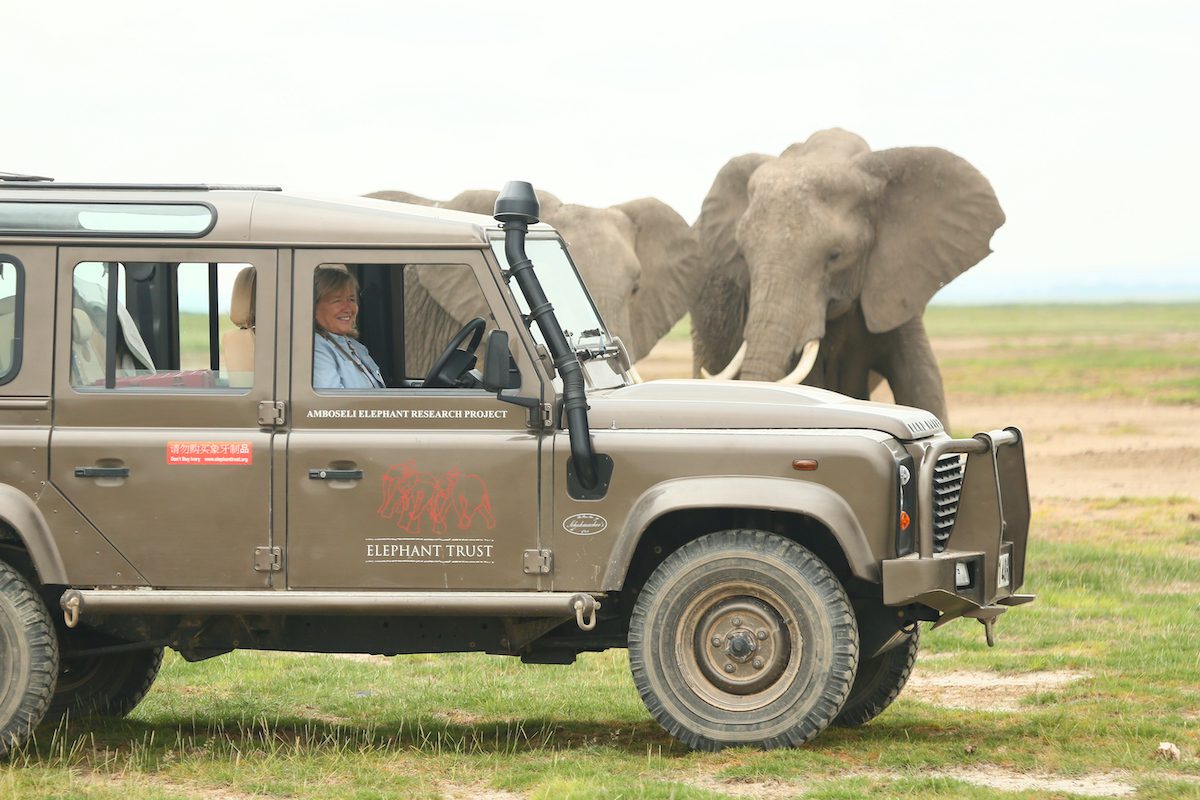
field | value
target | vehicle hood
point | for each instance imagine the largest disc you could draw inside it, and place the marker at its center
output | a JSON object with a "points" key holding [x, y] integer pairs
{"points": [[707, 404]]}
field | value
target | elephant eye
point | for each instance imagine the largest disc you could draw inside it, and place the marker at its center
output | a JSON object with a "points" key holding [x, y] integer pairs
{"points": [[835, 254]]}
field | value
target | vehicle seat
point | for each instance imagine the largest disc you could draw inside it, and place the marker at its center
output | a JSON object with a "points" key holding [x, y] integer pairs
{"points": [[238, 345], [87, 366]]}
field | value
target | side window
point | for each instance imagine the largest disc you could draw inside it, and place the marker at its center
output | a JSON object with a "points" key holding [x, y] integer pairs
{"points": [[386, 325], [11, 286], [174, 326]]}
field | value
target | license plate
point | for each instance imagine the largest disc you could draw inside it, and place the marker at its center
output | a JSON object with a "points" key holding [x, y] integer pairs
{"points": [[1004, 571]]}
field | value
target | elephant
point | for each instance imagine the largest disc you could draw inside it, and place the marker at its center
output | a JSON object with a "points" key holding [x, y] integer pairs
{"points": [[819, 264], [411, 497], [469, 497], [639, 261]]}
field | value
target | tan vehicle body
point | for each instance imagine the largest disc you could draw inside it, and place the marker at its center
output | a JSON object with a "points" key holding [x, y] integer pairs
{"points": [[421, 520]]}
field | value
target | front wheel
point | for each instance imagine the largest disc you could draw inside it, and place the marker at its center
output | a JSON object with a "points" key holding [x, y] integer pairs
{"points": [[28, 659], [743, 638], [878, 682], [107, 685]]}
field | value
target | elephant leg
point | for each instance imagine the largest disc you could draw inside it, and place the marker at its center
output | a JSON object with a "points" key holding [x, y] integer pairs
{"points": [[847, 349], [387, 508], [484, 509], [912, 371]]}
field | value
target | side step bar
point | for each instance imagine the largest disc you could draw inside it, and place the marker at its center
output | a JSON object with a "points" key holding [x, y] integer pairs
{"points": [[76, 602]]}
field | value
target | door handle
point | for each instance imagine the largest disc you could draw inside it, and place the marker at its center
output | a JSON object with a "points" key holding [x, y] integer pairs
{"points": [[102, 472], [335, 474]]}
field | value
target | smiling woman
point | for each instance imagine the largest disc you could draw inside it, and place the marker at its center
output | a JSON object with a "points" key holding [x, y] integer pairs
{"points": [[340, 361]]}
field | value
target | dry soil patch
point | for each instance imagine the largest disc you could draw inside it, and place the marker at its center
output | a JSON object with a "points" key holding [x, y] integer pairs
{"points": [[983, 691], [475, 791], [760, 790], [1101, 784]]}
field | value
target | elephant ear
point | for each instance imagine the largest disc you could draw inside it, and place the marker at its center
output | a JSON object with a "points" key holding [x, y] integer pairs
{"points": [[454, 288], [475, 201], [483, 201], [935, 219], [669, 255], [726, 202]]}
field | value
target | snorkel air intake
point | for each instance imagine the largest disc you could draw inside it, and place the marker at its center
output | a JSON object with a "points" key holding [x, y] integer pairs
{"points": [[517, 208]]}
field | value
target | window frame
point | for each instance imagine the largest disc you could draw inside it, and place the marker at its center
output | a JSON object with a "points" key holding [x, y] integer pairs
{"points": [[106, 254], [18, 318], [401, 267]]}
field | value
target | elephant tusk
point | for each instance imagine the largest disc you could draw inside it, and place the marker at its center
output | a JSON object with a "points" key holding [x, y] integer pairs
{"points": [[731, 371], [807, 358], [633, 374]]}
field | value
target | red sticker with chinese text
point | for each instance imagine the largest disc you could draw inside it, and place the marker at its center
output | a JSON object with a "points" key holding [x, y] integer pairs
{"points": [[210, 454]]}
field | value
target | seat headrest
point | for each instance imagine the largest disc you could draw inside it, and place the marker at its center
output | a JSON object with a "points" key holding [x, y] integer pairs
{"points": [[241, 302], [81, 326]]}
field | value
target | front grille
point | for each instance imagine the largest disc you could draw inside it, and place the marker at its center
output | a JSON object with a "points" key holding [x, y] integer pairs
{"points": [[947, 486]]}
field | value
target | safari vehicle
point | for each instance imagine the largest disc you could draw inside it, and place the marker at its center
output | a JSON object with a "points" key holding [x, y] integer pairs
{"points": [[171, 477]]}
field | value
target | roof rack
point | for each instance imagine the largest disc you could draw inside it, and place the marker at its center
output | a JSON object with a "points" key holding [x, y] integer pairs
{"points": [[12, 181], [153, 187], [19, 178]]}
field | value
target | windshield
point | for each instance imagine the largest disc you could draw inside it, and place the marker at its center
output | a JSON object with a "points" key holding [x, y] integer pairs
{"points": [[573, 307]]}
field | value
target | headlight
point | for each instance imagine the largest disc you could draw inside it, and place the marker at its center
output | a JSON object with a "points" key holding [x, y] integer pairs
{"points": [[906, 505]]}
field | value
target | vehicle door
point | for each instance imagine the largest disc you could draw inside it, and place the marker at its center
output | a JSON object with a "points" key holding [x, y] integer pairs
{"points": [[409, 487], [157, 437]]}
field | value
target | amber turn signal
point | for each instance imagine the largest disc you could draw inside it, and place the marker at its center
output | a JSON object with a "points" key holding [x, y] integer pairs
{"points": [[905, 519], [804, 464]]}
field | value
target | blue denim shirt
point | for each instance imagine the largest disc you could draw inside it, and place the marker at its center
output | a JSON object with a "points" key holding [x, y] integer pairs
{"points": [[334, 369]]}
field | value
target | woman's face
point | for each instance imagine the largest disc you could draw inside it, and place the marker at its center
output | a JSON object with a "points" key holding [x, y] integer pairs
{"points": [[338, 310]]}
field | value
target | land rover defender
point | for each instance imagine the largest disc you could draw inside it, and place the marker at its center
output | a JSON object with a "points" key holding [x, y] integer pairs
{"points": [[171, 477]]}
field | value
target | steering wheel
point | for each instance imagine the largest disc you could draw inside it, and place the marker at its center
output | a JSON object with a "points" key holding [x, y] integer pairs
{"points": [[454, 363]]}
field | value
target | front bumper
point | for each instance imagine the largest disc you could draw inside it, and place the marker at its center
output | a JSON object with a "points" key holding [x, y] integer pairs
{"points": [[981, 568]]}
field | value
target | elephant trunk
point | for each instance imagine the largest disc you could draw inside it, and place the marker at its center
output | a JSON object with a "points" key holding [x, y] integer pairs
{"points": [[782, 322]]}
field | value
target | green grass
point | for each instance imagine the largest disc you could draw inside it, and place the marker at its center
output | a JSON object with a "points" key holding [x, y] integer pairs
{"points": [[1045, 320], [193, 338], [1117, 580], [1136, 352], [1063, 319]]}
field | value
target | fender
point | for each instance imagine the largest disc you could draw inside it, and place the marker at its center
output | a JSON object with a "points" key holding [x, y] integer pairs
{"points": [[771, 494], [20, 514]]}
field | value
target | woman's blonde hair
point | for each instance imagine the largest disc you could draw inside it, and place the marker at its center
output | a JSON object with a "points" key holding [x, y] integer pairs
{"points": [[330, 278]]}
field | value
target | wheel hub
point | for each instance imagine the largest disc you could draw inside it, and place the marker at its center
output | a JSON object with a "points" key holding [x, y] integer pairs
{"points": [[742, 645]]}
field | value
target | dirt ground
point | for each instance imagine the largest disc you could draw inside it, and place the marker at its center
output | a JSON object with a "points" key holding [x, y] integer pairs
{"points": [[1074, 448]]}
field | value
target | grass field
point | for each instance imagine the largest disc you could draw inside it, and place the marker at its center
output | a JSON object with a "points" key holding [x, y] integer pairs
{"points": [[1109, 658]]}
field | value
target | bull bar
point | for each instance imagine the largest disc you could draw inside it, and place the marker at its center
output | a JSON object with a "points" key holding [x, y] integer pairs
{"points": [[992, 526]]}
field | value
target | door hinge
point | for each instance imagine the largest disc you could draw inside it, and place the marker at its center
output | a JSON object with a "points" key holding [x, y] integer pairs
{"points": [[547, 415], [272, 413], [539, 562], [268, 559]]}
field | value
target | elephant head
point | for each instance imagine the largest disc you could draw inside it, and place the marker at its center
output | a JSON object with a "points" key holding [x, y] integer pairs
{"points": [[831, 230], [640, 260]]}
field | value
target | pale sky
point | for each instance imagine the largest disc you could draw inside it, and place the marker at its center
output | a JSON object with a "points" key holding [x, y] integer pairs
{"points": [[1083, 115]]}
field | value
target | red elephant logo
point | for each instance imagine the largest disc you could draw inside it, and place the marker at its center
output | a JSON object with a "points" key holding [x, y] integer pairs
{"points": [[413, 498]]}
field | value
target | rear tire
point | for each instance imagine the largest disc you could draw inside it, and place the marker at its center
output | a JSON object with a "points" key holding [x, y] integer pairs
{"points": [[106, 685], [743, 638], [28, 659], [878, 683]]}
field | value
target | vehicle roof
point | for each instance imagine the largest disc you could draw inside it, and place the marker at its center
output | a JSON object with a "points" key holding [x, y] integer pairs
{"points": [[255, 216]]}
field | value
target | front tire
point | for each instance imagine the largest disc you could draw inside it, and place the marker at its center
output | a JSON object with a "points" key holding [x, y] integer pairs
{"points": [[28, 659], [105, 685], [878, 682], [743, 638]]}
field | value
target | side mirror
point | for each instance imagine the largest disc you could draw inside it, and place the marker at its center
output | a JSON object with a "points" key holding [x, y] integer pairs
{"points": [[499, 371]]}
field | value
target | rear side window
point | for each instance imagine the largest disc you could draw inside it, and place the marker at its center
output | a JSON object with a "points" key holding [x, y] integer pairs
{"points": [[12, 284], [162, 325]]}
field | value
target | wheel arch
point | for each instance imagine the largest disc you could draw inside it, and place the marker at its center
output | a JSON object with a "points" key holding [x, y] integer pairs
{"points": [[23, 524], [810, 514]]}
